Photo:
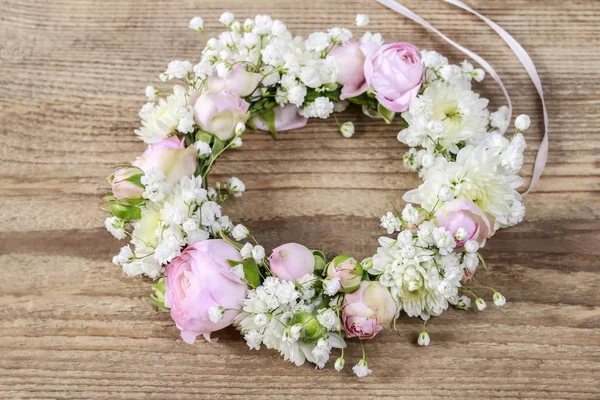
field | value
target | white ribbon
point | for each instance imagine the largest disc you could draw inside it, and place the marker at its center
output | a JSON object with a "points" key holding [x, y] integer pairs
{"points": [[542, 154]]}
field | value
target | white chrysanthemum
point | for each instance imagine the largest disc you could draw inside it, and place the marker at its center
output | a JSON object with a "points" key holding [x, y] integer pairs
{"points": [[159, 120], [475, 175], [414, 278], [462, 112]]}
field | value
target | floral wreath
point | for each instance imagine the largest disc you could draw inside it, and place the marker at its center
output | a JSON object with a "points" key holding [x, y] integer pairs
{"points": [[211, 274]]}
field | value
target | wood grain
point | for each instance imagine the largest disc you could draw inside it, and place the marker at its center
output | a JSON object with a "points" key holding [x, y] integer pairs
{"points": [[72, 76]]}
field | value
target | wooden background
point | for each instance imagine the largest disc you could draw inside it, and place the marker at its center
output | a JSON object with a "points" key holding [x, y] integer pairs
{"points": [[72, 78]]}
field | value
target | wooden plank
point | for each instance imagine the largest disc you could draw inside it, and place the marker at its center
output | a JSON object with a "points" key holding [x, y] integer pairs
{"points": [[72, 75]]}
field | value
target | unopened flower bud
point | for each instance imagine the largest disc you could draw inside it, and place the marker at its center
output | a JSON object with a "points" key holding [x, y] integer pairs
{"points": [[480, 303], [237, 143], [197, 24], [427, 161], [423, 339], [348, 270], [461, 234], [240, 128], [499, 300], [522, 122], [339, 364], [347, 129], [215, 314]]}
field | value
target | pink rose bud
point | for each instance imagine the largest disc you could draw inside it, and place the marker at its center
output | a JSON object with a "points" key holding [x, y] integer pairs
{"points": [[292, 261], [239, 81], [286, 119], [351, 59], [171, 156], [219, 113], [126, 185], [199, 280], [368, 310], [395, 73], [465, 220], [348, 270]]}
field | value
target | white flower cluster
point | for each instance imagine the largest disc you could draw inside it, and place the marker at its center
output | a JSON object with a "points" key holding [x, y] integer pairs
{"points": [[173, 217], [160, 119], [447, 114], [289, 317], [421, 269], [484, 174]]}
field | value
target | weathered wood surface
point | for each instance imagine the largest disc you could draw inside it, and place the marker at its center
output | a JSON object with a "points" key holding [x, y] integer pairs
{"points": [[72, 76]]}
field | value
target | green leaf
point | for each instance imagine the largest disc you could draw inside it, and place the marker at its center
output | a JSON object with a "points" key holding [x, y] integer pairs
{"points": [[251, 272], [217, 146], [268, 116], [125, 212], [387, 115], [203, 136]]}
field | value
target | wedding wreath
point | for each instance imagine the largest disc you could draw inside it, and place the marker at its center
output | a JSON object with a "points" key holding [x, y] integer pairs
{"points": [[210, 273]]}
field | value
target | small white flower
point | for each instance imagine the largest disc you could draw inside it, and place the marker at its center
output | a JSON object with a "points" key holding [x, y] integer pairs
{"points": [[238, 270], [261, 320], [235, 186], [203, 148], [124, 256], [329, 319], [427, 161], [461, 234], [240, 128], [478, 74], [116, 227], [423, 339], [292, 334], [246, 251], [374, 38], [480, 303], [240, 232], [178, 69], [361, 20], [197, 24], [151, 93], [464, 303], [278, 28], [339, 364], [258, 253], [361, 369], [248, 25], [347, 129], [253, 339], [471, 246], [410, 214], [215, 314], [317, 41], [446, 194], [522, 122], [227, 18], [499, 300], [331, 286], [391, 223], [236, 143]]}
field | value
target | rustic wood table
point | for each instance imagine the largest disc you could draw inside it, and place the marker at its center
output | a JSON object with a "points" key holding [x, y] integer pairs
{"points": [[72, 325]]}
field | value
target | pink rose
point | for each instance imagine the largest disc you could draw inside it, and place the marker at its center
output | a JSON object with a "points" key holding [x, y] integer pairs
{"points": [[239, 81], [351, 60], [126, 185], [171, 156], [395, 73], [291, 261], [219, 113], [465, 220], [201, 278], [368, 310], [286, 119], [348, 270]]}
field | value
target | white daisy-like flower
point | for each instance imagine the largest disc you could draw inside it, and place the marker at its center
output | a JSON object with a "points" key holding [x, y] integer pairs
{"points": [[161, 119]]}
